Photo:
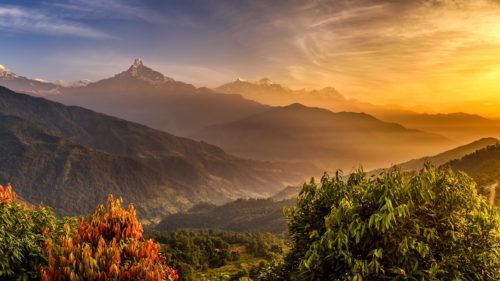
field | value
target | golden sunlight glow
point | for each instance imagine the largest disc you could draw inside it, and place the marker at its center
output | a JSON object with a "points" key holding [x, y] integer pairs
{"points": [[444, 57]]}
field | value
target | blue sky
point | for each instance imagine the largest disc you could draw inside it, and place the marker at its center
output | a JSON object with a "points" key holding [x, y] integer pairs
{"points": [[444, 54], [199, 41]]}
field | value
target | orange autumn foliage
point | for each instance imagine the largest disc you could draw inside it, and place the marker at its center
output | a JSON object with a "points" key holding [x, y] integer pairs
{"points": [[108, 245], [7, 195]]}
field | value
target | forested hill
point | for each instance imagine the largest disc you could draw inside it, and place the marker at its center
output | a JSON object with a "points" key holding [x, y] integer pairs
{"points": [[443, 157], [484, 167], [96, 154], [242, 215]]}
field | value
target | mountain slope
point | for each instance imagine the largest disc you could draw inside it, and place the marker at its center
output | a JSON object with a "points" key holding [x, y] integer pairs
{"points": [[22, 84], [195, 171], [444, 157], [461, 127], [253, 215], [484, 167], [267, 92], [330, 140], [69, 177], [143, 95]]}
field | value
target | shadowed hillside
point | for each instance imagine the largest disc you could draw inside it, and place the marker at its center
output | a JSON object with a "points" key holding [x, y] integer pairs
{"points": [[483, 165], [253, 215], [461, 127], [330, 140], [443, 157], [185, 171]]}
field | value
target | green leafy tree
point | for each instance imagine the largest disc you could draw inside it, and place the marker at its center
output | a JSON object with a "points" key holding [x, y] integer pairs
{"points": [[23, 230], [431, 225]]}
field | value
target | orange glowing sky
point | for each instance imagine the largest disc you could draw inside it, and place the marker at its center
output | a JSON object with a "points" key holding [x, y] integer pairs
{"points": [[443, 56], [429, 55]]}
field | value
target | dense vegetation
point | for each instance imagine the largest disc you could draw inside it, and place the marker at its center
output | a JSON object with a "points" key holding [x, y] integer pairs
{"points": [[209, 254], [443, 157], [483, 165], [426, 225], [22, 232], [107, 245], [431, 225], [71, 158], [242, 215]]}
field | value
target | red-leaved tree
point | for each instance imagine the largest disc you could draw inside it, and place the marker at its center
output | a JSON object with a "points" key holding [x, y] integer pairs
{"points": [[108, 245]]}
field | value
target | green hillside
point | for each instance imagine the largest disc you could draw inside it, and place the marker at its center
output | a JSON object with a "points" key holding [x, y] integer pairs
{"points": [[78, 156], [484, 166], [242, 215]]}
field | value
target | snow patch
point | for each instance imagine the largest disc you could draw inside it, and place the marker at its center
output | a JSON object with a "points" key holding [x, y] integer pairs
{"points": [[41, 80]]}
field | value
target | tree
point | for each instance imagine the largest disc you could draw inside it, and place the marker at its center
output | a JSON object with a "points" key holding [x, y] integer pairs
{"points": [[22, 232], [108, 245], [431, 225]]}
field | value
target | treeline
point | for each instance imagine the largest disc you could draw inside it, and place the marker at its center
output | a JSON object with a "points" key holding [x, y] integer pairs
{"points": [[484, 167], [194, 252], [242, 215]]}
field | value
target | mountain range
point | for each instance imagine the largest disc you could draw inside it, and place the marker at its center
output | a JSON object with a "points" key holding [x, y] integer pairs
{"points": [[268, 92], [328, 139], [26, 85], [145, 96], [59, 155], [265, 140], [461, 127]]}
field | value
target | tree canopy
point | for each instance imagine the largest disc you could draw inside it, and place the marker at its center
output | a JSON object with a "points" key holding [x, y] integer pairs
{"points": [[431, 225]]}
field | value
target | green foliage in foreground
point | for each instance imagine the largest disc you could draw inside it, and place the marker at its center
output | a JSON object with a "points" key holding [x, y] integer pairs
{"points": [[205, 255], [22, 232], [432, 225], [108, 245]]}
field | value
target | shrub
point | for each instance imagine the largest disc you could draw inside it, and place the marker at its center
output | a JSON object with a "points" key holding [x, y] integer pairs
{"points": [[428, 226], [22, 231], [108, 245]]}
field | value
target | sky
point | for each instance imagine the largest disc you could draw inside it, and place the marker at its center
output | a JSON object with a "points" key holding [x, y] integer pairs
{"points": [[428, 55]]}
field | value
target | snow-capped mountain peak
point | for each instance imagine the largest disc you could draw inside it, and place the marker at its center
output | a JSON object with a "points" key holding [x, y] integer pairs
{"points": [[6, 73], [137, 63], [23, 84], [141, 72], [73, 84]]}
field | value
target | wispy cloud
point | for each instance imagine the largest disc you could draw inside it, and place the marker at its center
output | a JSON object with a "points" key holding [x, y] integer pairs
{"points": [[19, 19], [116, 9], [438, 52]]}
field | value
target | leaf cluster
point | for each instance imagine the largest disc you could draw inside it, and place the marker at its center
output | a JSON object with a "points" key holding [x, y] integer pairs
{"points": [[431, 225]]}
